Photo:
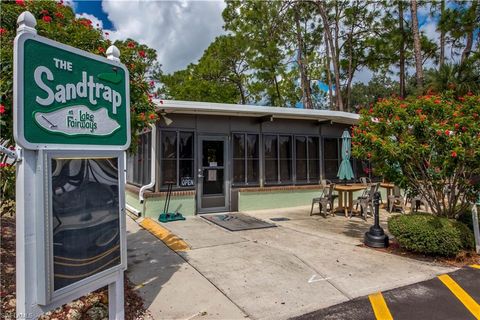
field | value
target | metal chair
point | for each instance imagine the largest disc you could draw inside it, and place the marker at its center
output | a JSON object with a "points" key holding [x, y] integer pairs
{"points": [[324, 201], [396, 200], [365, 202]]}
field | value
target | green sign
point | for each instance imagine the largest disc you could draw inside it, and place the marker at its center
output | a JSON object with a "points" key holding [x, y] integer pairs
{"points": [[68, 98]]}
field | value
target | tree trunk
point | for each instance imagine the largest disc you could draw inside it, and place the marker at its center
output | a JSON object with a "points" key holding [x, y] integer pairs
{"points": [[470, 27], [350, 69], [441, 60], [305, 83], [329, 75], [416, 45], [402, 49], [328, 33]]}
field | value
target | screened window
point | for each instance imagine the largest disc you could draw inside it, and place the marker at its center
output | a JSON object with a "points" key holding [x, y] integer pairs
{"points": [[307, 160], [138, 163], [331, 157], [177, 159], [245, 158], [278, 158]]}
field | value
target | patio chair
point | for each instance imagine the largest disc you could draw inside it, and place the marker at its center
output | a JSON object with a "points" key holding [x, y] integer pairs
{"points": [[324, 201], [396, 200], [365, 202], [365, 180], [418, 201]]}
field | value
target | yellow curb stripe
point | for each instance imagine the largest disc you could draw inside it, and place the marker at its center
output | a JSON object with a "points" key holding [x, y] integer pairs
{"points": [[380, 307], [476, 266], [461, 295], [171, 240]]}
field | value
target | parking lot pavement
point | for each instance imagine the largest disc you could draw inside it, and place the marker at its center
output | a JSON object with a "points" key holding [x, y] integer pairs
{"points": [[451, 296], [278, 273]]}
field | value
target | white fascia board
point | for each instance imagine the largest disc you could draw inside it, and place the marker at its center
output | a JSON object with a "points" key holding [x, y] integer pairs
{"points": [[192, 107]]}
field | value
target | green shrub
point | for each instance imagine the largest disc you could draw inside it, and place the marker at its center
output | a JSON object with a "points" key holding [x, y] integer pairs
{"points": [[431, 235]]}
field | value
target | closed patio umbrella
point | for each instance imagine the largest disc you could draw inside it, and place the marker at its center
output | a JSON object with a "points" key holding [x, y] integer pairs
{"points": [[345, 171]]}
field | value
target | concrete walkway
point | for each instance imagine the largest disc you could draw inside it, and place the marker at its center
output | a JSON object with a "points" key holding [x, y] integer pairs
{"points": [[170, 287], [304, 264]]}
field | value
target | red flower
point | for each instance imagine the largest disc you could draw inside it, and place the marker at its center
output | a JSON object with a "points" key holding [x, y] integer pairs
{"points": [[152, 116], [20, 2], [131, 44], [47, 19], [418, 111], [437, 101], [464, 128], [454, 154], [475, 115], [447, 132], [461, 98], [100, 49], [142, 54], [152, 83], [59, 15], [3, 31], [403, 106], [2, 109], [370, 110], [470, 93], [439, 132], [44, 12], [457, 126]]}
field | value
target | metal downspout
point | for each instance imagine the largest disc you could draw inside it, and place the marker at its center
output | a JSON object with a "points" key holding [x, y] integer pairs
{"points": [[152, 165]]}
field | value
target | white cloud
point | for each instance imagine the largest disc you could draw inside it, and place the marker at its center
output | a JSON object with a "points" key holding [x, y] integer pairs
{"points": [[96, 23], [179, 30]]}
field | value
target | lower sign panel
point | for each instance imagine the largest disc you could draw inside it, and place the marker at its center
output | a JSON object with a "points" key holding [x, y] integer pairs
{"points": [[85, 212]]}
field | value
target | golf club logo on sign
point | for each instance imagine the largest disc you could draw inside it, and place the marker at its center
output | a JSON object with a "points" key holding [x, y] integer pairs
{"points": [[71, 99]]}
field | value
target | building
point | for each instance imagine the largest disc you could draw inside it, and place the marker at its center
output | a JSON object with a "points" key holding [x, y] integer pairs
{"points": [[226, 157]]}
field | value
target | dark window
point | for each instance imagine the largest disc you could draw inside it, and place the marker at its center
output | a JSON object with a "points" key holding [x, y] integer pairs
{"points": [[278, 159], [139, 162], [331, 157], [177, 158], [307, 161], [245, 158]]}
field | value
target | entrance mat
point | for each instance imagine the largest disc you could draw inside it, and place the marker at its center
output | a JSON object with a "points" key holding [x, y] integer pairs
{"points": [[280, 219], [237, 221]]}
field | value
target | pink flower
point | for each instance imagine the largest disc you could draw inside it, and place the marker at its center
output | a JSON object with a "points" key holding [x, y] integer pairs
{"points": [[20, 2], [2, 109], [47, 19]]}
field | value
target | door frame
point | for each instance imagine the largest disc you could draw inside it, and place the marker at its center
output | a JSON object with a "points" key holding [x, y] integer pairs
{"points": [[226, 172]]}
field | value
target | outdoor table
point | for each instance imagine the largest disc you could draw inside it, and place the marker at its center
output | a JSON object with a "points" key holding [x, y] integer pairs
{"points": [[345, 196]]}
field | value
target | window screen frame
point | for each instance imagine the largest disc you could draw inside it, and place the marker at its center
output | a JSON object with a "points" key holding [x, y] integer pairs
{"points": [[245, 158], [161, 159]]}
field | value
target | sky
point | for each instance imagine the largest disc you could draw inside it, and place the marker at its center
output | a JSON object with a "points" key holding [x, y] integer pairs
{"points": [[180, 30]]}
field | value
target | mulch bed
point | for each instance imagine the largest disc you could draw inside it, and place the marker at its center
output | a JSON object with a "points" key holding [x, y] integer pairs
{"points": [[464, 258], [90, 307]]}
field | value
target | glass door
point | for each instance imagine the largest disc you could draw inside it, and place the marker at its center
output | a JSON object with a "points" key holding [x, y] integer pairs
{"points": [[213, 186]]}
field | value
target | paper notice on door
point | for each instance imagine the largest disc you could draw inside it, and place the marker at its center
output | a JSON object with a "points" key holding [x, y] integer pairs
{"points": [[213, 164], [212, 175]]}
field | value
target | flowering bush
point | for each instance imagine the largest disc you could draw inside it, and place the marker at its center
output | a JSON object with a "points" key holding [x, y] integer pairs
{"points": [[429, 145], [58, 22]]}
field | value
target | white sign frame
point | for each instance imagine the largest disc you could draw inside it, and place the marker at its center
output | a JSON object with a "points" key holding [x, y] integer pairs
{"points": [[45, 291], [18, 88]]}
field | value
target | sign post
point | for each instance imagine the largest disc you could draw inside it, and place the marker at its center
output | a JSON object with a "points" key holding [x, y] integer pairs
{"points": [[71, 126]]}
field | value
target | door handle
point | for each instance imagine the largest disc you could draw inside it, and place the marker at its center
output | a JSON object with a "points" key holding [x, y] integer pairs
{"points": [[200, 176]]}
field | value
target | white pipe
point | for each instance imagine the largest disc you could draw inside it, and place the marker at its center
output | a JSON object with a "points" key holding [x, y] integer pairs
{"points": [[152, 164], [133, 210]]}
